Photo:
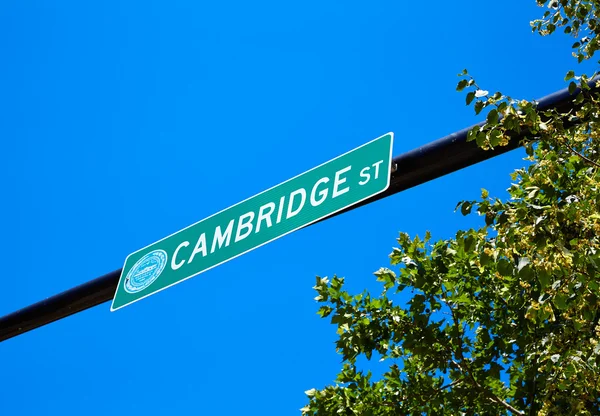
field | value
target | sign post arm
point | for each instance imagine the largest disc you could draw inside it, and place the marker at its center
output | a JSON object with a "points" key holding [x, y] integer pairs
{"points": [[413, 168]]}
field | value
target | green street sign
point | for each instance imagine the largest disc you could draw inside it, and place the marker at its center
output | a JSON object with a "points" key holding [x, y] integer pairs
{"points": [[287, 207]]}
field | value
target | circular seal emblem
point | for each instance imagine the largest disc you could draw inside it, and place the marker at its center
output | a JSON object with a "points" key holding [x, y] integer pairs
{"points": [[145, 271]]}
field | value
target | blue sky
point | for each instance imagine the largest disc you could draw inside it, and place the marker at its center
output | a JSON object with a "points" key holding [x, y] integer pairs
{"points": [[123, 122]]}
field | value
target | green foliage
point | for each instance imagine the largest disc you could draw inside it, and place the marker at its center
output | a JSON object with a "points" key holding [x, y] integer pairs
{"points": [[503, 319], [579, 18]]}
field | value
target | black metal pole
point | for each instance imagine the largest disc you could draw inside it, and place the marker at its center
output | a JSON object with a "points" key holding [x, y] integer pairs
{"points": [[435, 159]]}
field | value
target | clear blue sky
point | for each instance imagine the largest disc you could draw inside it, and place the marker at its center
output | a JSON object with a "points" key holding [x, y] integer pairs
{"points": [[210, 103]]}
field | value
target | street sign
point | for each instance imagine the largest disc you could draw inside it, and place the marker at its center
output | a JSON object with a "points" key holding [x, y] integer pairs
{"points": [[287, 207]]}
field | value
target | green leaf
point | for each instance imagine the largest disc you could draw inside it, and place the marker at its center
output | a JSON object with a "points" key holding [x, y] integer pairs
{"points": [[472, 134], [469, 243], [481, 138], [569, 75], [526, 273], [492, 117], [505, 267], [572, 87], [544, 279], [478, 107], [465, 208], [324, 311], [560, 300], [470, 97], [462, 84], [495, 137]]}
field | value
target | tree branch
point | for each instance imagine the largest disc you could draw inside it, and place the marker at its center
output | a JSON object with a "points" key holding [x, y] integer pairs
{"points": [[464, 367], [454, 383], [586, 159], [490, 395], [532, 392]]}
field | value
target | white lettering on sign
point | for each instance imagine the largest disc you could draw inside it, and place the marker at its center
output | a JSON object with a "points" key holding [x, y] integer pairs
{"points": [[322, 193], [174, 264], [265, 216], [200, 247], [291, 212], [338, 181], [221, 238], [270, 214], [364, 173], [245, 223]]}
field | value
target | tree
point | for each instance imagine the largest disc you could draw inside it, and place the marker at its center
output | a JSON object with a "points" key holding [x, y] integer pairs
{"points": [[503, 319]]}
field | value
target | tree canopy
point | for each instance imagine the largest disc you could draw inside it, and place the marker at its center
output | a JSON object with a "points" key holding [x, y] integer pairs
{"points": [[503, 319]]}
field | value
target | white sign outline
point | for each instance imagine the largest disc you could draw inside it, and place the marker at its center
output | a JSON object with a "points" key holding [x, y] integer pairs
{"points": [[112, 309]]}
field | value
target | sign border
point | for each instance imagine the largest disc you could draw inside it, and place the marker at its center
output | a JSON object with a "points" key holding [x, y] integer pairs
{"points": [[112, 309]]}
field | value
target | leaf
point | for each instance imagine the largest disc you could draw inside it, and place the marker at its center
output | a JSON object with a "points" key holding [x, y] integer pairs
{"points": [[505, 268], [480, 140], [462, 84], [324, 311], [465, 208], [481, 93], [470, 97], [495, 370], [478, 107], [469, 243], [570, 75], [526, 273], [495, 137], [572, 87], [472, 134], [311, 392], [523, 261], [492, 117], [544, 279], [560, 300]]}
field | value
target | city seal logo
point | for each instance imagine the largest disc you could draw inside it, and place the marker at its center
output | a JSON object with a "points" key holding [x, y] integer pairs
{"points": [[145, 271]]}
